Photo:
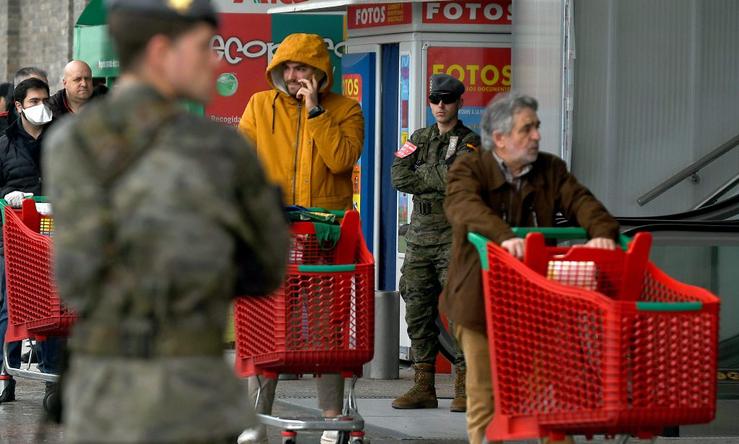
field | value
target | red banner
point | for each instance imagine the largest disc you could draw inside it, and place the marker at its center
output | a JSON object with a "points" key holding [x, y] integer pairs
{"points": [[352, 87], [485, 72], [468, 12], [244, 43], [376, 15]]}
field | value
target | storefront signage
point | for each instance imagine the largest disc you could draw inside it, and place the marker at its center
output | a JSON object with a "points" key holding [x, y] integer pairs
{"points": [[352, 87], [485, 72], [481, 12], [375, 15]]}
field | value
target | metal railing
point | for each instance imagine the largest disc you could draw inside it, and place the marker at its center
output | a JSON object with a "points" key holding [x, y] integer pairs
{"points": [[720, 192], [688, 171]]}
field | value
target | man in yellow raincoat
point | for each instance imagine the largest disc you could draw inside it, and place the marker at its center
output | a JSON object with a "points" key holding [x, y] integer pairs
{"points": [[308, 140], [307, 137]]}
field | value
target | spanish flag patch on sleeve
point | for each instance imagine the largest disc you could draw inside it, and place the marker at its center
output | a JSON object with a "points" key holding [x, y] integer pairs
{"points": [[406, 150]]}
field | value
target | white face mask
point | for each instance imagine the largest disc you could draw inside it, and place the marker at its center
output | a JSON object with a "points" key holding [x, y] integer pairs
{"points": [[38, 115]]}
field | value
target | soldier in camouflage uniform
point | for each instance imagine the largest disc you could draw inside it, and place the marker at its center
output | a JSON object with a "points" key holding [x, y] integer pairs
{"points": [[420, 169], [161, 217]]}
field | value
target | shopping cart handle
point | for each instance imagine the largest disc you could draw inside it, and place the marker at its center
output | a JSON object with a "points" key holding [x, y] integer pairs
{"points": [[4, 203], [570, 233], [669, 306], [480, 242], [481, 245], [566, 233]]}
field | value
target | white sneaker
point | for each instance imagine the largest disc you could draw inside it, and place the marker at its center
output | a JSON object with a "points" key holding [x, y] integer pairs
{"points": [[330, 437], [253, 435]]}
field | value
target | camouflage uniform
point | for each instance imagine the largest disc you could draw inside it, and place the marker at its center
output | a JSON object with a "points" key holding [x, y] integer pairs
{"points": [[423, 174], [161, 217]]}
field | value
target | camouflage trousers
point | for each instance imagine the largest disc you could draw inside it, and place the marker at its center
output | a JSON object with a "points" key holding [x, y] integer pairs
{"points": [[423, 277]]}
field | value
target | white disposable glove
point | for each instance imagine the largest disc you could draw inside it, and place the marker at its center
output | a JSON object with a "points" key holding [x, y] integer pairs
{"points": [[15, 198]]}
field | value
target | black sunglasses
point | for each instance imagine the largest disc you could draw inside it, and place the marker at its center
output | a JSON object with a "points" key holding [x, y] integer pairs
{"points": [[444, 98]]}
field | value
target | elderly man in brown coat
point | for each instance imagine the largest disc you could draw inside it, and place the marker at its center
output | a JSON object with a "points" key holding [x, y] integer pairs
{"points": [[509, 183]]}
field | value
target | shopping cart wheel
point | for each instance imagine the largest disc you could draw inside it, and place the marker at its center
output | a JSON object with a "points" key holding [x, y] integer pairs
{"points": [[343, 438], [357, 437], [446, 341], [289, 437], [50, 399]]}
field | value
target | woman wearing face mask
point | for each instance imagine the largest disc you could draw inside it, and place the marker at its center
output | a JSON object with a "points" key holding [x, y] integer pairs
{"points": [[20, 176]]}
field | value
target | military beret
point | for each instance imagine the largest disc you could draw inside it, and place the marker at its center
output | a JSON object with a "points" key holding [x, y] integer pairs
{"points": [[445, 84], [191, 10]]}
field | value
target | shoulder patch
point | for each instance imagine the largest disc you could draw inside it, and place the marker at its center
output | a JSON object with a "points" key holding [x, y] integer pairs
{"points": [[406, 150], [453, 141]]}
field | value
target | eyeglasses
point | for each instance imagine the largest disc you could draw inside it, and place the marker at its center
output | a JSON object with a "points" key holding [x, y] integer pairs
{"points": [[444, 98]]}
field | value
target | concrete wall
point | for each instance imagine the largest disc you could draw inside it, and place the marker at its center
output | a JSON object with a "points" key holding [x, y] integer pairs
{"points": [[655, 89], [37, 33]]}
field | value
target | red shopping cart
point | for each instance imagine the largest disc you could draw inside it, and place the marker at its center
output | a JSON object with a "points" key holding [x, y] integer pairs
{"points": [[319, 321], [34, 308], [587, 341]]}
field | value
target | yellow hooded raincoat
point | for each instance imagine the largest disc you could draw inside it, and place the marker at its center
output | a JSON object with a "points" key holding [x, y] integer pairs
{"points": [[311, 159]]}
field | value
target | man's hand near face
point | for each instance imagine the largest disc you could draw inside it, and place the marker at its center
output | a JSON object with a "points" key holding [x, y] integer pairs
{"points": [[308, 92]]}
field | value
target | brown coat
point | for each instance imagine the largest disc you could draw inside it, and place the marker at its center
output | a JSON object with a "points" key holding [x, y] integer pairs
{"points": [[479, 199]]}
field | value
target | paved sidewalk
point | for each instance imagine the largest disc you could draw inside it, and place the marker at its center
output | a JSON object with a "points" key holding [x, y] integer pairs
{"points": [[19, 420], [387, 425]]}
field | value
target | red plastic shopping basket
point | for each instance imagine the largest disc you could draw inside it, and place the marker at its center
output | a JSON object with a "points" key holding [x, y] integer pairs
{"points": [[34, 308], [608, 344], [321, 320]]}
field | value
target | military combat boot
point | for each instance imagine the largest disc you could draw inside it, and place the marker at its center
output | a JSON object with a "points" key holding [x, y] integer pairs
{"points": [[423, 393], [459, 403]]}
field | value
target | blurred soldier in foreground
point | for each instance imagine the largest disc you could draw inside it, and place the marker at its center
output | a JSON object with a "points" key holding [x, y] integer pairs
{"points": [[161, 218]]}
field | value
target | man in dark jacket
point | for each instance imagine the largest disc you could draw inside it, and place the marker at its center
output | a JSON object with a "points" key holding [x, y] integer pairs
{"points": [[510, 183], [8, 114], [20, 177], [77, 91]]}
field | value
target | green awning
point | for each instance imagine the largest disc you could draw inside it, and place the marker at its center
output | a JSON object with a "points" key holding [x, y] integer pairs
{"points": [[94, 14]]}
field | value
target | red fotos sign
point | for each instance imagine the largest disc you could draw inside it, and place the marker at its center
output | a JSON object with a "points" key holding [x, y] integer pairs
{"points": [[468, 12], [376, 15], [352, 87], [485, 72]]}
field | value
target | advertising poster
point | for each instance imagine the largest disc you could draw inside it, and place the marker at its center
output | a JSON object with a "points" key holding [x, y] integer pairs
{"points": [[485, 72], [352, 88], [245, 43], [404, 215], [358, 83]]}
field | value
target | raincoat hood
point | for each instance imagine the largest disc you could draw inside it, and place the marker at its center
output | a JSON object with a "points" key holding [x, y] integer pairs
{"points": [[309, 49]]}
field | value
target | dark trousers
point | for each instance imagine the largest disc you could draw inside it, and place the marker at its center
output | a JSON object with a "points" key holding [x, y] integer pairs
{"points": [[14, 348]]}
